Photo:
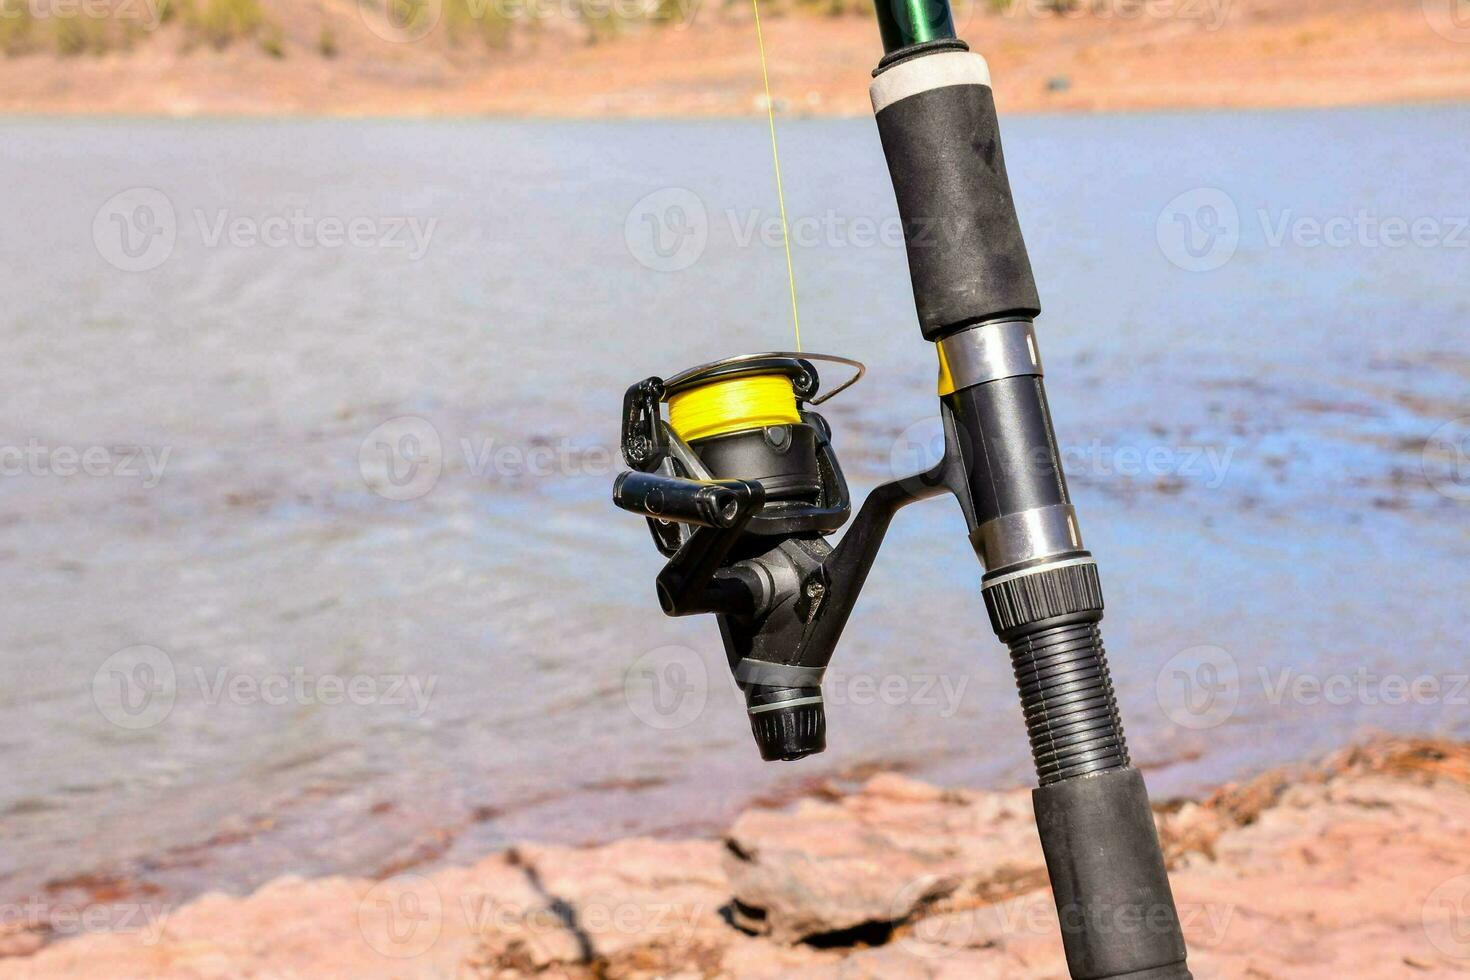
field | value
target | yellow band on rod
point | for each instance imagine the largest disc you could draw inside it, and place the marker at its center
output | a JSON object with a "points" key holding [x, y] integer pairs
{"points": [[722, 407], [946, 379]]}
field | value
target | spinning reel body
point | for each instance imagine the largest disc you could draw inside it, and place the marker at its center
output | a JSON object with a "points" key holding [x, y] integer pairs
{"points": [[742, 508]]}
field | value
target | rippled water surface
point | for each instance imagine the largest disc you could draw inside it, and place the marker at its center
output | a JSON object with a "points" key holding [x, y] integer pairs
{"points": [[1246, 447]]}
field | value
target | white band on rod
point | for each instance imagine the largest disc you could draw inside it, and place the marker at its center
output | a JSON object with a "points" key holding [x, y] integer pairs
{"points": [[928, 72]]}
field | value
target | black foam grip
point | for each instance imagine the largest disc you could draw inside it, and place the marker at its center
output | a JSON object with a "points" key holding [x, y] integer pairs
{"points": [[1107, 875], [966, 255]]}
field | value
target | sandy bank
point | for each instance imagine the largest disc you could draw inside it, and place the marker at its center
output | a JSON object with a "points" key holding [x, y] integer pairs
{"points": [[1351, 868], [1111, 55]]}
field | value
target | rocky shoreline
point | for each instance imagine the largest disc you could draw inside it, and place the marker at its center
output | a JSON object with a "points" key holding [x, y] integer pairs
{"points": [[1354, 866]]}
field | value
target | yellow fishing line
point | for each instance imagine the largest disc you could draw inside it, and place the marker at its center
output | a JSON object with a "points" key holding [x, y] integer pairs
{"points": [[722, 407], [776, 159]]}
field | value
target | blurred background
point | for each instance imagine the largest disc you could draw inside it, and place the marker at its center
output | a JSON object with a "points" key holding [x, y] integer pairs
{"points": [[318, 316]]}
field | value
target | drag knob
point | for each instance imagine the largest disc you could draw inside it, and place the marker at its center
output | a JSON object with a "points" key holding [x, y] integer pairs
{"points": [[789, 730]]}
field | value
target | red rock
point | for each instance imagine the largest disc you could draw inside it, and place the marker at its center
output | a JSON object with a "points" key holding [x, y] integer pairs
{"points": [[1353, 870]]}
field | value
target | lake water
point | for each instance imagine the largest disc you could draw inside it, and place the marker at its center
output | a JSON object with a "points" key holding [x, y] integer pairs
{"points": [[232, 654]]}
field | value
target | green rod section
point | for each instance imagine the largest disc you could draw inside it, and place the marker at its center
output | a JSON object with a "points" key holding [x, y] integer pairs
{"points": [[907, 22]]}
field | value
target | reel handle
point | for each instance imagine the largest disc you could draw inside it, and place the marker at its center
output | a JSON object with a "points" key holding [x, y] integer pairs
{"points": [[704, 503]]}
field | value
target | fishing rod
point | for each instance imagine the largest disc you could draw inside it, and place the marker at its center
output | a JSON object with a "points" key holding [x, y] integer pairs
{"points": [[741, 487]]}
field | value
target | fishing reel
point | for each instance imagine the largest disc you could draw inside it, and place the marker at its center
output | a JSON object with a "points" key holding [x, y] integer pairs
{"points": [[741, 486]]}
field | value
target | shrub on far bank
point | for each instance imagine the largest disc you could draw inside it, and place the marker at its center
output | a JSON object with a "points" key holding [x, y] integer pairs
{"points": [[222, 22], [476, 19], [17, 27]]}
